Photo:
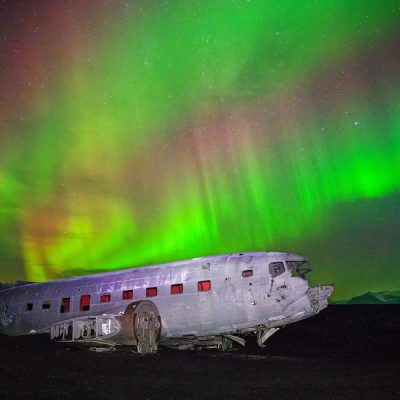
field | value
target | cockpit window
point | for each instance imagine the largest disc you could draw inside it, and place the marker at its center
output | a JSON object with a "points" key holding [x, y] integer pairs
{"points": [[299, 268], [276, 268]]}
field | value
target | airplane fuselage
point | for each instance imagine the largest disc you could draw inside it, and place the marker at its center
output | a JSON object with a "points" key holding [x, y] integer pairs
{"points": [[203, 297]]}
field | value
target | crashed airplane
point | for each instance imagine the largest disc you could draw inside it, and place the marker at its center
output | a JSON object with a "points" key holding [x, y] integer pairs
{"points": [[203, 302]]}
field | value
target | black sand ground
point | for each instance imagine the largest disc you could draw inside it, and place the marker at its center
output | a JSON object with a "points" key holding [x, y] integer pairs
{"points": [[346, 352]]}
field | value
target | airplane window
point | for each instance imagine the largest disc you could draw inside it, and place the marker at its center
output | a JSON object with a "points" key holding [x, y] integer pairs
{"points": [[127, 294], [46, 305], [105, 298], [247, 273], [65, 303], [151, 292], [276, 268], [85, 302], [29, 307], [177, 288], [204, 286]]}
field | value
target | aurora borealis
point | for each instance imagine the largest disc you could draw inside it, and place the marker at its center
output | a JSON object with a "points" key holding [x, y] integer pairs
{"points": [[140, 132]]}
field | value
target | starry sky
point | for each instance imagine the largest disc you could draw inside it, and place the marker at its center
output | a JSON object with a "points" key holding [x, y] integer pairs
{"points": [[140, 132]]}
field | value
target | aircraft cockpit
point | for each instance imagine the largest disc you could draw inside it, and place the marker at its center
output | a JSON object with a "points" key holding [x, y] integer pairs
{"points": [[299, 268]]}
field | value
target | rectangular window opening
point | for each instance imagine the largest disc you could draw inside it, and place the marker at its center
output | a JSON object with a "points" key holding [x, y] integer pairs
{"points": [[177, 288], [46, 305], [85, 302], [276, 268], [65, 305], [127, 295], [204, 286], [151, 292], [29, 307], [247, 273], [105, 298]]}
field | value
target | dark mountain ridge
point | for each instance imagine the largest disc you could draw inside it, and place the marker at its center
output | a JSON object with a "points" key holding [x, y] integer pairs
{"points": [[385, 297]]}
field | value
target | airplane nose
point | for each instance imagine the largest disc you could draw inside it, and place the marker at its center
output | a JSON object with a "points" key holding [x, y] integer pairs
{"points": [[319, 296], [325, 291]]}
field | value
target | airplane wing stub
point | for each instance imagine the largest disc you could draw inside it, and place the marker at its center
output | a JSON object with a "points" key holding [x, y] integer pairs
{"points": [[139, 325], [85, 328]]}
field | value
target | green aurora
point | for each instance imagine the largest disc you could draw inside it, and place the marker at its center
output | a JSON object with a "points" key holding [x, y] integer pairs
{"points": [[134, 133]]}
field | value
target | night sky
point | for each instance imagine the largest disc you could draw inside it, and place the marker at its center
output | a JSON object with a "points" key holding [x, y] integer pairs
{"points": [[140, 132]]}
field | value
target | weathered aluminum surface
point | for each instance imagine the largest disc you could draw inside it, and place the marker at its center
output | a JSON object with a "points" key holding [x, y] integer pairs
{"points": [[235, 303]]}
